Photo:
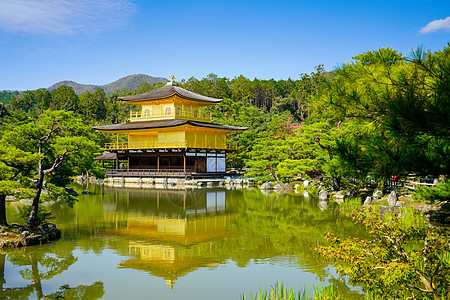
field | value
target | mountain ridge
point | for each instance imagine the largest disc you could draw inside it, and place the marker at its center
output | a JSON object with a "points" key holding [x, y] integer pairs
{"points": [[129, 82]]}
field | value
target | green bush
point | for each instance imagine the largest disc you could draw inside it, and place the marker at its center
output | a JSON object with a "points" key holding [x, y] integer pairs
{"points": [[439, 193]]}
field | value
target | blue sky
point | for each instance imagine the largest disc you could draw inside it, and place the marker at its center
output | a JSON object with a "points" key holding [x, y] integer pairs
{"points": [[96, 42]]}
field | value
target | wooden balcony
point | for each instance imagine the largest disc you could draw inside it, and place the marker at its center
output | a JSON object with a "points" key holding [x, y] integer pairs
{"points": [[167, 173], [170, 114], [167, 145], [149, 172]]}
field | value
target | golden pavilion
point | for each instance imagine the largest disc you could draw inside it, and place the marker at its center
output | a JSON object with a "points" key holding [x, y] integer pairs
{"points": [[171, 136]]}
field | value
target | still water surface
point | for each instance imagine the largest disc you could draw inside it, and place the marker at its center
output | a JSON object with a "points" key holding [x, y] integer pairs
{"points": [[120, 243]]}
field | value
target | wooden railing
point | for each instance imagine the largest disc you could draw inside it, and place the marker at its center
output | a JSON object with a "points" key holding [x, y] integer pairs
{"points": [[409, 184], [148, 172], [151, 115], [164, 145]]}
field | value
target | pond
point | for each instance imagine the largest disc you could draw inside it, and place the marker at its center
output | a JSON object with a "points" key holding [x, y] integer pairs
{"points": [[120, 243]]}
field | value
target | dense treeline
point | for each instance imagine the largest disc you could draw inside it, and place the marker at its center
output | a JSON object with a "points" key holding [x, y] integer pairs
{"points": [[381, 115], [292, 95], [6, 96], [247, 102]]}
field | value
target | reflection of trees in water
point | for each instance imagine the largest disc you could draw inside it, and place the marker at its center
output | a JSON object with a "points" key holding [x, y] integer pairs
{"points": [[343, 286], [41, 266], [93, 291], [263, 227], [277, 226]]}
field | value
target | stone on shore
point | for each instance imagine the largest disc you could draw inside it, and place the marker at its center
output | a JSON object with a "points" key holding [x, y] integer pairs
{"points": [[323, 195], [392, 199], [71, 191], [281, 188], [266, 186], [16, 235], [400, 203]]}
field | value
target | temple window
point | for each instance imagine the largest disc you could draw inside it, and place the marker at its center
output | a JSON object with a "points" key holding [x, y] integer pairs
{"points": [[147, 113], [168, 111], [178, 111], [195, 113]]}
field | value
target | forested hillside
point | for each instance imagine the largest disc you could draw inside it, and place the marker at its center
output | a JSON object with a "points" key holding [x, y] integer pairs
{"points": [[130, 82]]}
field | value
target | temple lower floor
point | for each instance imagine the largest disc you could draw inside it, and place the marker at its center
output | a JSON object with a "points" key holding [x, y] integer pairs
{"points": [[182, 162]]}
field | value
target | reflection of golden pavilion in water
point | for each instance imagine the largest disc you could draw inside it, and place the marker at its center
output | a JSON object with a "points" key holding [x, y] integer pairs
{"points": [[174, 246]]}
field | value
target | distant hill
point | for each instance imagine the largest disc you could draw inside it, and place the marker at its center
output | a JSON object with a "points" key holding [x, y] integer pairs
{"points": [[77, 87], [130, 82]]}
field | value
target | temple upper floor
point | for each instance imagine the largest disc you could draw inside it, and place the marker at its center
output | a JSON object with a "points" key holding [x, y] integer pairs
{"points": [[170, 102], [171, 108]]}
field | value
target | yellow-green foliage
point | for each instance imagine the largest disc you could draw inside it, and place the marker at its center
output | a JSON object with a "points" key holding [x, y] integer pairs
{"points": [[401, 259]]}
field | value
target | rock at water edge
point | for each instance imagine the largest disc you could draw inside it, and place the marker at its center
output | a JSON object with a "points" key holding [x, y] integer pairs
{"points": [[282, 188], [266, 186], [323, 195], [71, 191]]}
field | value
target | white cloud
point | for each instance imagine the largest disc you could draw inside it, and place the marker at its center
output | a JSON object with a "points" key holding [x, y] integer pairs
{"points": [[63, 17], [443, 24]]}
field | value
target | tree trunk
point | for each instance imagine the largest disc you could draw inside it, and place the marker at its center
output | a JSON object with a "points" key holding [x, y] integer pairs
{"points": [[272, 172], [336, 183], [3, 210], [31, 222], [36, 277]]}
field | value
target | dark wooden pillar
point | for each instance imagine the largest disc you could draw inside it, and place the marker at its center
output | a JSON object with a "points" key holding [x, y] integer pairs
{"points": [[196, 162]]}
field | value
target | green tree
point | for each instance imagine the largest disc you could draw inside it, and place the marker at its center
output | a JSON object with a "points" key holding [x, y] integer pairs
{"points": [[64, 97], [398, 110], [15, 167], [93, 105], [308, 151], [43, 99], [400, 260], [7, 96], [58, 138], [25, 102]]}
